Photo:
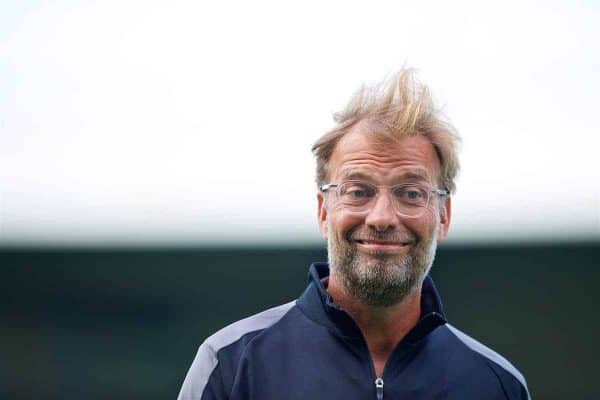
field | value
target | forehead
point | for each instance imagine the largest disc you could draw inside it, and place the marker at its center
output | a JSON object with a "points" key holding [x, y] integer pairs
{"points": [[362, 153]]}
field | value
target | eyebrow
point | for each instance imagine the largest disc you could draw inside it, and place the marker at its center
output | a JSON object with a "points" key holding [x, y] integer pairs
{"points": [[409, 175], [414, 175]]}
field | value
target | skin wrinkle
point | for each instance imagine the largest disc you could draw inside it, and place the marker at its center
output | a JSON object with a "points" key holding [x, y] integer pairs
{"points": [[387, 165], [412, 176]]}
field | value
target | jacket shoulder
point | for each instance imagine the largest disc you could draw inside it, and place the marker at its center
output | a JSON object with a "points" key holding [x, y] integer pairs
{"points": [[204, 368], [257, 322], [512, 380]]}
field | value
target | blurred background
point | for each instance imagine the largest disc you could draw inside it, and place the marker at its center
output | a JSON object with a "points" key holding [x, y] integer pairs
{"points": [[156, 180]]}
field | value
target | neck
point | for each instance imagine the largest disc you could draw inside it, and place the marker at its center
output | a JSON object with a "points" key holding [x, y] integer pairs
{"points": [[382, 327]]}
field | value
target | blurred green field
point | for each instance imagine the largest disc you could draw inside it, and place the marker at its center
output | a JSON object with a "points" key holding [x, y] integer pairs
{"points": [[125, 324]]}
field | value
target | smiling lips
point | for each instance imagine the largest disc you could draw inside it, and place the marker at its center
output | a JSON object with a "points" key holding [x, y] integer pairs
{"points": [[388, 246]]}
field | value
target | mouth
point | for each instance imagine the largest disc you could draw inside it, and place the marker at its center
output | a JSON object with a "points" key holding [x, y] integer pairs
{"points": [[386, 246]]}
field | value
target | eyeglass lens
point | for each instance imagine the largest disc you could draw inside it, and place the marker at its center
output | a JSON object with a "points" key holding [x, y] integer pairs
{"points": [[359, 197]]}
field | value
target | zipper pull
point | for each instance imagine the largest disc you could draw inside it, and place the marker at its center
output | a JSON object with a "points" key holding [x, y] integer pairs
{"points": [[379, 388]]}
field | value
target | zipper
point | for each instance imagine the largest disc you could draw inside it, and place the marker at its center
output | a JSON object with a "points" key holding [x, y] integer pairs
{"points": [[378, 381], [379, 388]]}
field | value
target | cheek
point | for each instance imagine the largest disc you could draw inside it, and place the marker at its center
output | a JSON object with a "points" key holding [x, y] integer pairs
{"points": [[342, 222], [423, 226]]}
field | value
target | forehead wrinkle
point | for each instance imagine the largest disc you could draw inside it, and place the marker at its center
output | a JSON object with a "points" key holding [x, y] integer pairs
{"points": [[357, 152], [407, 173]]}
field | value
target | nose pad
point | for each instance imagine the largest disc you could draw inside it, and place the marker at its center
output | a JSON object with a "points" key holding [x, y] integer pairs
{"points": [[383, 214]]}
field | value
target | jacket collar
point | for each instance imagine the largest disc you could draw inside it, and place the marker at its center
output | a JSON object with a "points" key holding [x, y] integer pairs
{"points": [[318, 305]]}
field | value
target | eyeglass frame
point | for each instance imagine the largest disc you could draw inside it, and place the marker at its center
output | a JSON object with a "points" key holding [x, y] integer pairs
{"points": [[440, 192]]}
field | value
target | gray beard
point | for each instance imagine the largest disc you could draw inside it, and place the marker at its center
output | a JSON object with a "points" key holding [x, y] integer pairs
{"points": [[380, 279]]}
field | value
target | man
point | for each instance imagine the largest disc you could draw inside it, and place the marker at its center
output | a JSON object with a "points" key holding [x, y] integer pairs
{"points": [[370, 325]]}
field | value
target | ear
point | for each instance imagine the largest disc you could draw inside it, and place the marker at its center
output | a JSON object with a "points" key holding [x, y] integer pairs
{"points": [[445, 216], [322, 215]]}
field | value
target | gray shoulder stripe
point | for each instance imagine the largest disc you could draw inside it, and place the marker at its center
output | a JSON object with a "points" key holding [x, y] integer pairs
{"points": [[206, 359], [235, 331], [489, 354]]}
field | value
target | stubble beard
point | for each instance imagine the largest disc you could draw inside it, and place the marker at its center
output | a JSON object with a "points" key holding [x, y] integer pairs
{"points": [[380, 279]]}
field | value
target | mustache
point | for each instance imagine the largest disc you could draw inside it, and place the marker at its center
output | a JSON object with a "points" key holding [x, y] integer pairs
{"points": [[373, 235]]}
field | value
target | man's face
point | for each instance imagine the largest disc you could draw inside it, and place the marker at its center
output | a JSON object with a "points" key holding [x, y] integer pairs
{"points": [[380, 257]]}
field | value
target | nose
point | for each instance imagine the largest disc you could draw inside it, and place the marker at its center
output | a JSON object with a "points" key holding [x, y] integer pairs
{"points": [[383, 215]]}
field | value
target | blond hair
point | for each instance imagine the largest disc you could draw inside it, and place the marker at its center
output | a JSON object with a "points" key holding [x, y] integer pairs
{"points": [[401, 106]]}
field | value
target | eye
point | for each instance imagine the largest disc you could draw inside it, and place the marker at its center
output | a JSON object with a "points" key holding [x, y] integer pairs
{"points": [[413, 195], [356, 191]]}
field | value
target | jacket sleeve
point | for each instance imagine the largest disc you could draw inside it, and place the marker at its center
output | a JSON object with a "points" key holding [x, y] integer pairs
{"points": [[204, 379], [515, 388]]}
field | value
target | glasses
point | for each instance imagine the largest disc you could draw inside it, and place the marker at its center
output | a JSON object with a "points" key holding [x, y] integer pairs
{"points": [[359, 197]]}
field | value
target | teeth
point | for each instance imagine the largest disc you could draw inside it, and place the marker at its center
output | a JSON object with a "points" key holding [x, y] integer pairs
{"points": [[380, 242]]}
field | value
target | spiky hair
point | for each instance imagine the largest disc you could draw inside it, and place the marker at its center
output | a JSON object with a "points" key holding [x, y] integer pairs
{"points": [[395, 108]]}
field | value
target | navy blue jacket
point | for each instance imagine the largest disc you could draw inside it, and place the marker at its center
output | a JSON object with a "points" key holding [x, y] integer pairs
{"points": [[312, 349]]}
